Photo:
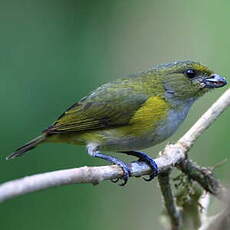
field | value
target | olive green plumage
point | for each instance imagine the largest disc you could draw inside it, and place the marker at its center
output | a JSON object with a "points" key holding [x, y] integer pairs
{"points": [[134, 112]]}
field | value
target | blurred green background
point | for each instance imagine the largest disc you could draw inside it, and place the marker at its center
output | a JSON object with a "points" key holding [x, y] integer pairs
{"points": [[52, 53]]}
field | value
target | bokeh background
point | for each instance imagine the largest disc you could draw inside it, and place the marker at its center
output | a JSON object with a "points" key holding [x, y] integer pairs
{"points": [[53, 52]]}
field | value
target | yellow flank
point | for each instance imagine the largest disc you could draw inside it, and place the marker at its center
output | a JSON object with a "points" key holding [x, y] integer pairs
{"points": [[147, 117]]}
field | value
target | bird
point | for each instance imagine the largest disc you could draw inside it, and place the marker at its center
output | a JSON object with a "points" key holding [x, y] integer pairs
{"points": [[131, 113]]}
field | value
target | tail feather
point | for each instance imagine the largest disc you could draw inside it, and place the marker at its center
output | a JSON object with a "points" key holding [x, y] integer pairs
{"points": [[30, 145]]}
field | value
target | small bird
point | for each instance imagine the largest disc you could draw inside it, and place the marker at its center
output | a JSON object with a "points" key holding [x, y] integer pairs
{"points": [[131, 113]]}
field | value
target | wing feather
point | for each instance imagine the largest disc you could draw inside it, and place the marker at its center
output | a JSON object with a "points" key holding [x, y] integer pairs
{"points": [[103, 109]]}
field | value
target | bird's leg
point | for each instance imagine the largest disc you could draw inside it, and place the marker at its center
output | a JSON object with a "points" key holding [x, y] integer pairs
{"points": [[118, 162], [92, 150], [147, 159]]}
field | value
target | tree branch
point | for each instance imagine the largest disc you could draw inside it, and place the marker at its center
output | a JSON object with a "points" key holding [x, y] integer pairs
{"points": [[169, 157], [204, 177], [169, 200]]}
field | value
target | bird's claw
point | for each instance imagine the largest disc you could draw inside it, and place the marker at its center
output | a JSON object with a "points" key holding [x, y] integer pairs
{"points": [[154, 168], [125, 176], [115, 180], [148, 160], [149, 178], [123, 165]]}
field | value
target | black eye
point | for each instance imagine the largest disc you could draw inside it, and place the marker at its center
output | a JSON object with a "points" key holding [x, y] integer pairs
{"points": [[190, 73]]}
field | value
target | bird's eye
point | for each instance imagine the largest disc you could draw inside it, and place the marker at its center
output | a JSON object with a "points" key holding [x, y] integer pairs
{"points": [[190, 73]]}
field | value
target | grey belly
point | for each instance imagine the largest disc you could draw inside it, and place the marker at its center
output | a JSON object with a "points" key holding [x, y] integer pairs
{"points": [[164, 130]]}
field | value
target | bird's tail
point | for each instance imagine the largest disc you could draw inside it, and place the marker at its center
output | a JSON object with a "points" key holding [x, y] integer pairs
{"points": [[30, 145]]}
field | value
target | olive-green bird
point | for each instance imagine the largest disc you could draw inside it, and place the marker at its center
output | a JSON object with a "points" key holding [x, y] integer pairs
{"points": [[131, 113]]}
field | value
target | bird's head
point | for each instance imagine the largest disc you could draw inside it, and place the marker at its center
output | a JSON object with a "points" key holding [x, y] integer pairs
{"points": [[188, 79]]}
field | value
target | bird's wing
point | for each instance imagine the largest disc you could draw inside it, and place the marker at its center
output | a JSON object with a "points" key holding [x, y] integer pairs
{"points": [[107, 107]]}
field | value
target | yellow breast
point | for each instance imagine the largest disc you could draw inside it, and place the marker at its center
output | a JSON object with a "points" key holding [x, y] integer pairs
{"points": [[147, 117]]}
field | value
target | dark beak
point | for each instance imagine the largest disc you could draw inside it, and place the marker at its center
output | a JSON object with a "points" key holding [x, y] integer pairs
{"points": [[214, 81]]}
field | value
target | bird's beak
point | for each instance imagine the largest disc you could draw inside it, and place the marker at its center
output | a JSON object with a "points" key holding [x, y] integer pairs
{"points": [[214, 81]]}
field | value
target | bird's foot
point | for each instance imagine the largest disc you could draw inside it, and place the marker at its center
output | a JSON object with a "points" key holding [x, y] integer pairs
{"points": [[118, 162], [147, 159]]}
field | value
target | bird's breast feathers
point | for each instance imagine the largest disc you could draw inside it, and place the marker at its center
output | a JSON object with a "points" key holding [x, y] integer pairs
{"points": [[148, 116]]}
